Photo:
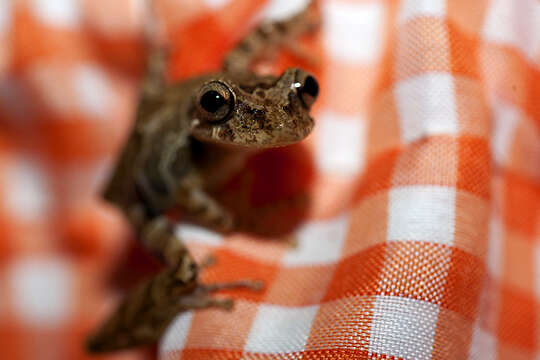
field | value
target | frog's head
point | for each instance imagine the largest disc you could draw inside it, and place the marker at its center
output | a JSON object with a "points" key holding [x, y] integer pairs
{"points": [[255, 111]]}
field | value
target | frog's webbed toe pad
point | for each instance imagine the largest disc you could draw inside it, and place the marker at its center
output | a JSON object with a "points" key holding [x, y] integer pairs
{"points": [[202, 296]]}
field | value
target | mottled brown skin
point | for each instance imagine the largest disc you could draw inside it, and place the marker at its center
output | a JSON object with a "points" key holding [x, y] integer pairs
{"points": [[187, 138]]}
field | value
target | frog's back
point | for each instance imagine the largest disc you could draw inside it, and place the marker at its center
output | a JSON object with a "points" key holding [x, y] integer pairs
{"points": [[121, 188]]}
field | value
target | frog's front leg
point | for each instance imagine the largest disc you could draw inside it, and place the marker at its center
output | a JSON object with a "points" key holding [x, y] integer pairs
{"points": [[158, 233], [200, 207], [268, 36], [159, 237], [185, 187]]}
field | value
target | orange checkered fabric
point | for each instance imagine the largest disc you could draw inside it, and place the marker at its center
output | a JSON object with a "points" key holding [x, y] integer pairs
{"points": [[415, 204]]}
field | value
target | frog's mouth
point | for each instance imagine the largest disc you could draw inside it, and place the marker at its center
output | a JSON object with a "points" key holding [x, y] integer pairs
{"points": [[256, 135]]}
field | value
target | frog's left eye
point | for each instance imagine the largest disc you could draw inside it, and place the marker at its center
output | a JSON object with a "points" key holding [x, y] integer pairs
{"points": [[215, 101], [307, 87]]}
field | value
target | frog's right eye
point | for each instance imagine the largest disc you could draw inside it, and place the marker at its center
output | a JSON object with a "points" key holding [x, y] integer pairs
{"points": [[215, 101]]}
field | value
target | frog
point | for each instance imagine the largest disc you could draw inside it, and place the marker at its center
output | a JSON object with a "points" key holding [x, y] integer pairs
{"points": [[187, 139]]}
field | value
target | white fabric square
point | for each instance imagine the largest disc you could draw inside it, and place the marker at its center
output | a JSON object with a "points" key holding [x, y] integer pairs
{"points": [[42, 291], [176, 334], [505, 118], [319, 242], [514, 23], [422, 213], [341, 141], [426, 106], [415, 8], [403, 327], [27, 196], [195, 234], [483, 345], [61, 13], [6, 9], [93, 90], [280, 329], [281, 9], [216, 4], [353, 30], [494, 249]]}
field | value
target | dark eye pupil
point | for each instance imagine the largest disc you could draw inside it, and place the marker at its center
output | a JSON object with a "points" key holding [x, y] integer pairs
{"points": [[212, 101], [311, 87]]}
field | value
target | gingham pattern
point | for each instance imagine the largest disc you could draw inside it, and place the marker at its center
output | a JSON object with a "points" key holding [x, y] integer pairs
{"points": [[422, 234]]}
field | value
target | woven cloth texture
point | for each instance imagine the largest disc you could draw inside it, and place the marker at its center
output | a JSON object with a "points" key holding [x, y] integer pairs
{"points": [[414, 205]]}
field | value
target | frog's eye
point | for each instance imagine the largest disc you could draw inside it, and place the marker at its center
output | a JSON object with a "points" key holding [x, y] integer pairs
{"points": [[307, 87], [215, 101]]}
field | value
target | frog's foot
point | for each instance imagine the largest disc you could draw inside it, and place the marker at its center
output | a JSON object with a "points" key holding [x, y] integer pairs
{"points": [[215, 218], [210, 260], [158, 235], [270, 35], [227, 223], [207, 261], [292, 242], [254, 285], [201, 208], [148, 309], [202, 296]]}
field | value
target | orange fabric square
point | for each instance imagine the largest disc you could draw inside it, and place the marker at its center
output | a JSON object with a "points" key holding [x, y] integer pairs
{"points": [[414, 270], [468, 16], [464, 49], [510, 77], [424, 39], [431, 161], [377, 176], [29, 45], [463, 285], [517, 324], [519, 270], [300, 286], [453, 336], [472, 223], [474, 165], [384, 132], [522, 204], [510, 352], [349, 317], [331, 195], [524, 153], [350, 279], [206, 324], [368, 224], [342, 75], [474, 117]]}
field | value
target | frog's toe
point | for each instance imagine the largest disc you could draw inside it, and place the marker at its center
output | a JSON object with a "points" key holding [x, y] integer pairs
{"points": [[225, 223]]}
